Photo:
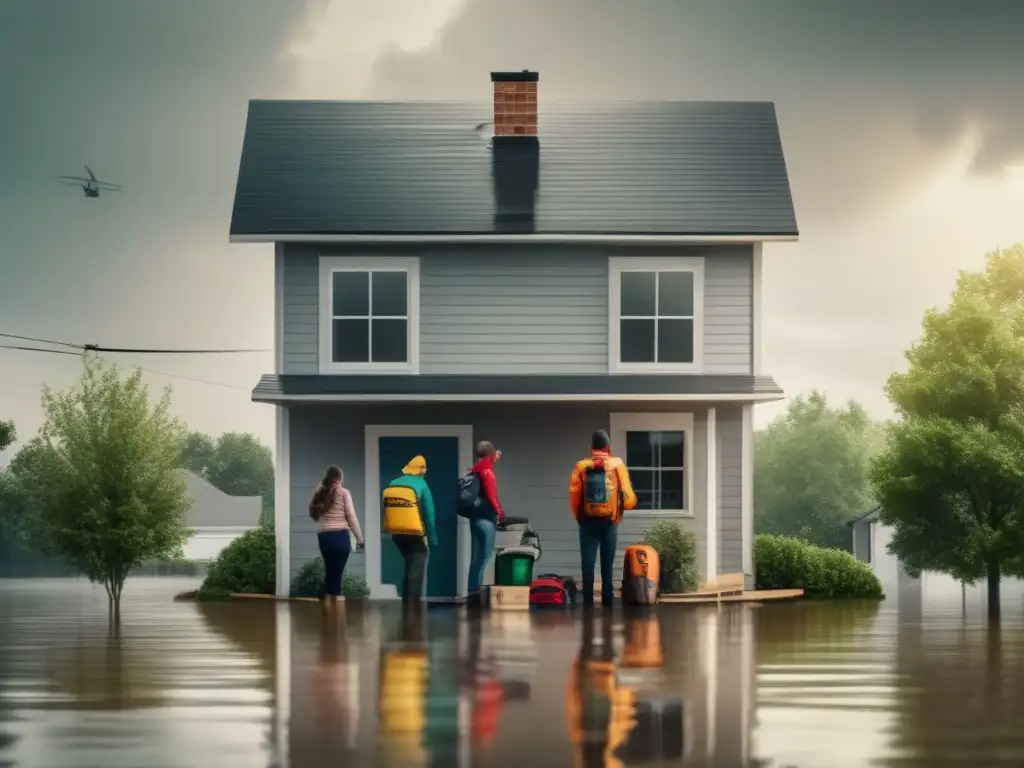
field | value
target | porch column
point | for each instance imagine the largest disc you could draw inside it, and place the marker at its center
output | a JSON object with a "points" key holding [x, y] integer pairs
{"points": [[711, 532], [282, 503], [282, 446], [747, 494]]}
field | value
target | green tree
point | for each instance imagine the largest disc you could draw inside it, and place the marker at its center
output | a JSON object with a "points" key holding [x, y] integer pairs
{"points": [[951, 478], [811, 471], [101, 485], [7, 434], [236, 463]]}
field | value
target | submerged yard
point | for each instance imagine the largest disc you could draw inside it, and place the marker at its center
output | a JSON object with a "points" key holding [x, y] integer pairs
{"points": [[808, 683]]}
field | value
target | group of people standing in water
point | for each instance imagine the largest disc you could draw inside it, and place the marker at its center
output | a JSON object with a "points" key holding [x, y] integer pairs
{"points": [[600, 491]]}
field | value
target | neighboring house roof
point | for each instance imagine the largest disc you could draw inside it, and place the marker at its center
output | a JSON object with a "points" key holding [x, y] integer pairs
{"points": [[381, 387], [213, 507], [867, 517], [421, 168]]}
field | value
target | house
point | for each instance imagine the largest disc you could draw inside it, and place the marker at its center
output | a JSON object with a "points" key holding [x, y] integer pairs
{"points": [[524, 273], [216, 518], [871, 539]]}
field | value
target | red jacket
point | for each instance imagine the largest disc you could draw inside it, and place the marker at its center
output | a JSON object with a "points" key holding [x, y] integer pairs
{"points": [[489, 483]]}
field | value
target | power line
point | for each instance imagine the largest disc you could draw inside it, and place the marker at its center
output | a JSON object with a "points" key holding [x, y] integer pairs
{"points": [[147, 370], [193, 378], [39, 349], [41, 341], [132, 350]]}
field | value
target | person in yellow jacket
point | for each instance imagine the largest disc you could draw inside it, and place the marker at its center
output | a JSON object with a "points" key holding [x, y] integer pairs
{"points": [[409, 518], [599, 492]]}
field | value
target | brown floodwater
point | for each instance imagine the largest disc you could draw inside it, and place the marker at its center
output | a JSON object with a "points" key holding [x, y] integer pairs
{"points": [[921, 679]]}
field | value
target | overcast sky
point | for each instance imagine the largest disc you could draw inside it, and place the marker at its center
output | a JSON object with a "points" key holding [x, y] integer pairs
{"points": [[902, 121]]}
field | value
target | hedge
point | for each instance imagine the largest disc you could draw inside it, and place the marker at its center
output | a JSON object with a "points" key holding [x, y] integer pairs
{"points": [[781, 562], [310, 581], [247, 564]]}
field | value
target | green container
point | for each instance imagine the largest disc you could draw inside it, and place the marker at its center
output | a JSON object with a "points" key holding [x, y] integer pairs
{"points": [[513, 569]]}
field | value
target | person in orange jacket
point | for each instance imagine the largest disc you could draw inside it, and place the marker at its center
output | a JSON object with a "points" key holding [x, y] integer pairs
{"points": [[599, 492]]}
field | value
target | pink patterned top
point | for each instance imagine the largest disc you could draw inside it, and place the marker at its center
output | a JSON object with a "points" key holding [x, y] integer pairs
{"points": [[341, 514]]}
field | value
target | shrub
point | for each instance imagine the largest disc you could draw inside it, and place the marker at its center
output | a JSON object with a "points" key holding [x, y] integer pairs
{"points": [[677, 551], [781, 562], [247, 564], [310, 580]]}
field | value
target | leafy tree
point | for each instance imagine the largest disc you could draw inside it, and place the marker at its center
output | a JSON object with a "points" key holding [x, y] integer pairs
{"points": [[951, 478], [811, 471], [100, 485], [7, 434], [236, 463]]}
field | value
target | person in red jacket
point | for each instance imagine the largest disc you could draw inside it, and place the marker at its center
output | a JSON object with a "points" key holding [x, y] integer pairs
{"points": [[484, 526]]}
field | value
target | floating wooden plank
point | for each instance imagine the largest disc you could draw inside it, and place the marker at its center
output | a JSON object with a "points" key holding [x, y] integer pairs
{"points": [[754, 596], [247, 596]]}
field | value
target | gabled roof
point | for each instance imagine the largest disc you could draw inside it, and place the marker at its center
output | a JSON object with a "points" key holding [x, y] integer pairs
{"points": [[867, 517], [212, 507], [321, 168]]}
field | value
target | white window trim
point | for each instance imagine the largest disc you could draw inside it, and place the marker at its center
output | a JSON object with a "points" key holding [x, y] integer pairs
{"points": [[331, 264], [621, 423], [618, 265]]}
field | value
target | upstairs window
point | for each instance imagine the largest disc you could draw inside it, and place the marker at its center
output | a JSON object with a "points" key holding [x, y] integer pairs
{"points": [[369, 315], [656, 308]]}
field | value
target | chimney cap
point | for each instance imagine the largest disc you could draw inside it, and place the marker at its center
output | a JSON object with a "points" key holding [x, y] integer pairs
{"points": [[526, 76]]}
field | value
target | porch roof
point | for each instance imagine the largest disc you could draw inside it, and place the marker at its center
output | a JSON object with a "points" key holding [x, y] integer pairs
{"points": [[867, 517], [286, 388]]}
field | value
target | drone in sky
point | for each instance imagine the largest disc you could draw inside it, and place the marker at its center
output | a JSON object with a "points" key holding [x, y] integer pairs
{"points": [[91, 186]]}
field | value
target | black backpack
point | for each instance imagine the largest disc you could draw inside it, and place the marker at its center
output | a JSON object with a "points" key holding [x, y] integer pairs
{"points": [[469, 496]]}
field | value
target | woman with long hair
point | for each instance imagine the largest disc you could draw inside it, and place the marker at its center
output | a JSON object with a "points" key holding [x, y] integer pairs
{"points": [[335, 514]]}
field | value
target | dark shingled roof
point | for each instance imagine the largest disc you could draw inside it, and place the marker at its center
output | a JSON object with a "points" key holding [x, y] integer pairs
{"points": [[276, 387], [418, 168]]}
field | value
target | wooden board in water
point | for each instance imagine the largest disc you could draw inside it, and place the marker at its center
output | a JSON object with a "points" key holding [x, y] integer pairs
{"points": [[246, 596], [745, 597]]}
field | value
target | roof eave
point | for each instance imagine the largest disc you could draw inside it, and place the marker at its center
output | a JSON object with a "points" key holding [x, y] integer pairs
{"points": [[436, 397], [536, 238]]}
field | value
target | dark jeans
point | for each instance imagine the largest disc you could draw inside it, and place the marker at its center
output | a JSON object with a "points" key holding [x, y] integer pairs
{"points": [[598, 535], [414, 552], [335, 546], [482, 531]]}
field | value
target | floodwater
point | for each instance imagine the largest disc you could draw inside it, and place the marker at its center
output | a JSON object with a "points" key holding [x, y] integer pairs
{"points": [[921, 679]]}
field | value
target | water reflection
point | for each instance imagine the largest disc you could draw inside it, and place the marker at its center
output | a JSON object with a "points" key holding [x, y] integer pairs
{"points": [[920, 680], [161, 688]]}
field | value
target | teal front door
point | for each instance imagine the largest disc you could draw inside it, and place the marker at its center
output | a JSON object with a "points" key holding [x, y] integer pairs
{"points": [[442, 455]]}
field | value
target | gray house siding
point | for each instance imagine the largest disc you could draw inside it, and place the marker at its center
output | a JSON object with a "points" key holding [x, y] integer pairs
{"points": [[540, 443], [729, 427], [539, 309], [862, 540], [301, 307]]}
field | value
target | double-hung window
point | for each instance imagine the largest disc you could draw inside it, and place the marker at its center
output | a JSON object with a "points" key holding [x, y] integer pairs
{"points": [[656, 319], [369, 315], [657, 448]]}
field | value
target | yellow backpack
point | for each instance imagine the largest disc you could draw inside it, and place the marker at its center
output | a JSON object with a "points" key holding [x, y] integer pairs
{"points": [[402, 511]]}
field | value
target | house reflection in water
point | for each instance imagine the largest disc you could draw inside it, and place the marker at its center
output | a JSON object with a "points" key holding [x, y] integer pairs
{"points": [[672, 685]]}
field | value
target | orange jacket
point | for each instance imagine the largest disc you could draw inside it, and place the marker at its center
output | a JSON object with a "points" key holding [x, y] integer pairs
{"points": [[622, 479], [590, 680]]}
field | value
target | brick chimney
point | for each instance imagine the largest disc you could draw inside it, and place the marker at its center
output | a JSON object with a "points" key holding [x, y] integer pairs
{"points": [[515, 103]]}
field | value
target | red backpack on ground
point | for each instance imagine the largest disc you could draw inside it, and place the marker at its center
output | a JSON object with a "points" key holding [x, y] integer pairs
{"points": [[551, 591]]}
